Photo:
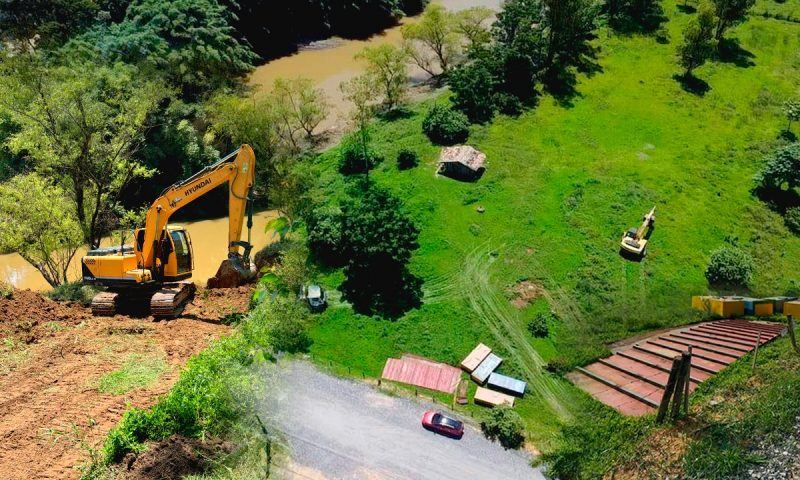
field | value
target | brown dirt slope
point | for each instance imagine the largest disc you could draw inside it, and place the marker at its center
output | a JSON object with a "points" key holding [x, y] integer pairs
{"points": [[51, 358]]}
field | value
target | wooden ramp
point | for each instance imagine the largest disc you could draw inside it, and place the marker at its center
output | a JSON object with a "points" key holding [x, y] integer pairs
{"points": [[422, 372], [634, 378]]}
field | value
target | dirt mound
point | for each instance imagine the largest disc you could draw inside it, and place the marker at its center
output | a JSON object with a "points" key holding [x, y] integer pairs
{"points": [[525, 292], [231, 274], [50, 406], [28, 316], [172, 459]]}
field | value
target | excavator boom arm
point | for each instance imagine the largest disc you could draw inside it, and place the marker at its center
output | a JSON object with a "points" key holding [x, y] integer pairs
{"points": [[237, 169]]}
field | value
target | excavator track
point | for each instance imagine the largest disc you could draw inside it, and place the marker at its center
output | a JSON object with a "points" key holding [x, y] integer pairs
{"points": [[171, 299], [104, 304]]}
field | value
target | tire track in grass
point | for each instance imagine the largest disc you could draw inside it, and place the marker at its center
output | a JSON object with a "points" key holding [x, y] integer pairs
{"points": [[494, 310]]}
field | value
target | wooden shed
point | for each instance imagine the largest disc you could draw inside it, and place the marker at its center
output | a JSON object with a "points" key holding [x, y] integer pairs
{"points": [[462, 163]]}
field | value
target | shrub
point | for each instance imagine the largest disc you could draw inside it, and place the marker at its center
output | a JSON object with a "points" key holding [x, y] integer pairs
{"points": [[355, 159], [6, 290], [445, 126], [72, 292], [781, 168], [407, 159], [730, 266], [286, 325], [324, 225], [508, 104], [505, 425], [792, 219], [539, 325], [473, 87]]}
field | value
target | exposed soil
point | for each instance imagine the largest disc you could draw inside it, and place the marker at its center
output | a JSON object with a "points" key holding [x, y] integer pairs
{"points": [[525, 292], [172, 459], [52, 356]]}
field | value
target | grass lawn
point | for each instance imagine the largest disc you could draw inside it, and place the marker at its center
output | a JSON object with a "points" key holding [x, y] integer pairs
{"points": [[563, 182]]}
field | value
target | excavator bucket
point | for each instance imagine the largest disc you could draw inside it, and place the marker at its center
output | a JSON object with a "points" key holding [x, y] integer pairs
{"points": [[233, 273]]}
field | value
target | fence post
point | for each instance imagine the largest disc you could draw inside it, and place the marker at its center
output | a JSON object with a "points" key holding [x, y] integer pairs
{"points": [[673, 374], [680, 387], [791, 333], [688, 382], [755, 353]]}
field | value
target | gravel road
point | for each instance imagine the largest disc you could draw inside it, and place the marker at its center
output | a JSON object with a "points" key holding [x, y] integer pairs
{"points": [[341, 429]]}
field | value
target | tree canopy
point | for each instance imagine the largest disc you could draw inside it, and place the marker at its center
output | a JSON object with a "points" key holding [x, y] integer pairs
{"points": [[82, 127]]}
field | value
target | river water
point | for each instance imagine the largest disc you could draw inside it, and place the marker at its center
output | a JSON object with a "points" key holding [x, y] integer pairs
{"points": [[328, 63], [209, 240]]}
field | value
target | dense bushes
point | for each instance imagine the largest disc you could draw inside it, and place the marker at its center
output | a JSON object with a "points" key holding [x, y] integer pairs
{"points": [[782, 168], [72, 292], [286, 321], [730, 266], [356, 159], [792, 219], [445, 126], [407, 159], [504, 425], [538, 326]]}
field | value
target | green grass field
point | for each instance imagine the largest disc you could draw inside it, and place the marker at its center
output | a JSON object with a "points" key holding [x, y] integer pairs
{"points": [[563, 182]]}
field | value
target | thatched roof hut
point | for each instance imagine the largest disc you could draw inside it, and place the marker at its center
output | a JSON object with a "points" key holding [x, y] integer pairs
{"points": [[462, 162]]}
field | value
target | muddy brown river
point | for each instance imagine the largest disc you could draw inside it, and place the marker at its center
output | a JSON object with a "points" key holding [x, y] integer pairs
{"points": [[209, 240]]}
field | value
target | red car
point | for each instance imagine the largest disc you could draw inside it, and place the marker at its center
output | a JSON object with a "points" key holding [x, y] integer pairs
{"points": [[442, 424]]}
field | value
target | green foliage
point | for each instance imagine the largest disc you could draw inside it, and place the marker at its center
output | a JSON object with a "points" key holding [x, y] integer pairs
{"points": [[72, 292], [504, 425], [758, 406], [445, 126], [433, 42], [293, 271], [792, 220], [569, 26], [473, 87], [37, 221], [80, 127], [387, 69], [590, 445], [325, 234], [698, 40], [539, 325], [730, 13], [44, 23], [357, 160], [361, 93], [635, 15], [210, 395], [300, 105], [378, 238], [285, 323], [137, 371], [6, 290], [407, 159], [782, 168], [730, 266], [791, 108], [163, 37]]}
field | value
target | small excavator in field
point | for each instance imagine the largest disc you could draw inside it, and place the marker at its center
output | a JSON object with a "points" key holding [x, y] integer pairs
{"points": [[154, 270], [634, 241]]}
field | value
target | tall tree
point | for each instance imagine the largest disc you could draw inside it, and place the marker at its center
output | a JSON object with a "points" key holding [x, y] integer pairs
{"points": [[300, 104], [35, 23], [730, 13], [361, 93], [568, 28], [698, 40], [190, 42], [38, 221], [387, 69], [432, 41], [81, 127]]}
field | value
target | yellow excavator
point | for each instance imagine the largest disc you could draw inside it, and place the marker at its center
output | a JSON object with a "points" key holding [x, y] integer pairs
{"points": [[634, 241], [154, 270]]}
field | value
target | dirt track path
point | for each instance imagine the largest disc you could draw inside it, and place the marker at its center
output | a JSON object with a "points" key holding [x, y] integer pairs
{"points": [[51, 413]]}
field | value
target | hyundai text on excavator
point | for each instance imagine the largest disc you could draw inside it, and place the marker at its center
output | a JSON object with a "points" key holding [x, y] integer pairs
{"points": [[634, 241], [156, 267]]}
